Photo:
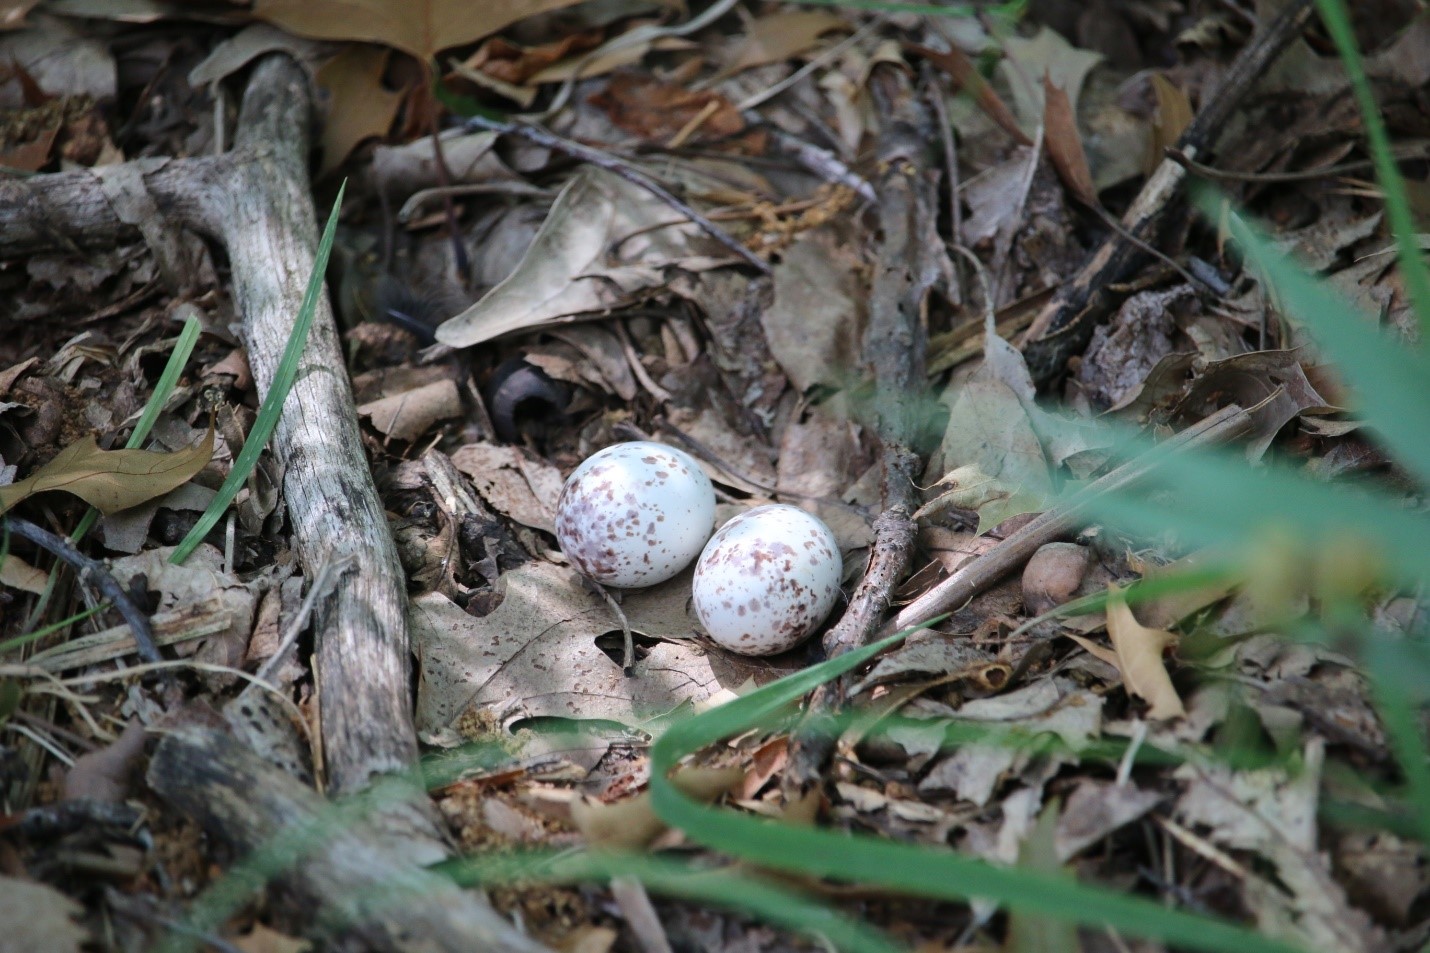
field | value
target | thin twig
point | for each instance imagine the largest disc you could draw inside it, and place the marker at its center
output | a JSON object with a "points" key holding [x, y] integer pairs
{"points": [[604, 160], [1226, 175], [327, 575], [93, 572], [764, 96]]}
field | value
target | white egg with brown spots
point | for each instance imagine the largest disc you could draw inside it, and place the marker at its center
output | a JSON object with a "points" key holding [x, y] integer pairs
{"points": [[767, 579], [635, 514]]}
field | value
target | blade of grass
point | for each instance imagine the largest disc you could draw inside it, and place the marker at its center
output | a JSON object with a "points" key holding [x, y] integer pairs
{"points": [[915, 870], [1392, 380], [1397, 200], [272, 407], [9, 645], [1393, 668]]}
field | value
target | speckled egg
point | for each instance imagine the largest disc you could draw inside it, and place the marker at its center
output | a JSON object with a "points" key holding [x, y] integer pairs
{"points": [[767, 579], [635, 514]]}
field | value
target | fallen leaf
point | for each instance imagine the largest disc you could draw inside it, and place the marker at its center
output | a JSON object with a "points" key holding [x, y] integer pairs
{"points": [[18, 574], [421, 28], [1046, 53], [1137, 653], [12, 14], [536, 654], [104, 775], [568, 272], [111, 480], [659, 111], [779, 36], [409, 415], [814, 323], [512, 63], [998, 465], [1064, 144], [1172, 116], [38, 917], [965, 75], [1095, 809], [514, 481], [261, 939], [359, 105], [631, 823]]}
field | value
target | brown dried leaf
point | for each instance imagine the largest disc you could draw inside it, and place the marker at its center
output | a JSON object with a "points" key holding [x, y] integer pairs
{"points": [[422, 28], [111, 480], [261, 939], [1064, 144], [18, 574], [409, 415], [1173, 116], [779, 36], [1137, 654], [514, 481], [360, 106], [658, 111], [631, 824], [104, 775]]}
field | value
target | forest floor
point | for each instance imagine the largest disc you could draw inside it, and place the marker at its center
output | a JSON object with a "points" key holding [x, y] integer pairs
{"points": [[922, 275]]}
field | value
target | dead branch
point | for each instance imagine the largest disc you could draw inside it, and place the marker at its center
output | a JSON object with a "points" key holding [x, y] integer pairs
{"points": [[1223, 426], [1066, 322], [350, 876]]}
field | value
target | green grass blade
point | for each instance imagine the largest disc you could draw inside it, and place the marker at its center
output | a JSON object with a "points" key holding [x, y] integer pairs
{"points": [[1392, 379], [1397, 200], [9, 645], [168, 380], [272, 406], [917, 871], [737, 890], [1394, 669]]}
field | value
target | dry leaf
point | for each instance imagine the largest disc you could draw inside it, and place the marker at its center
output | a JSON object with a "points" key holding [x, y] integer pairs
{"points": [[1173, 116], [359, 105], [111, 480], [18, 574], [514, 481], [409, 415], [568, 272], [1047, 53], [37, 917], [104, 775], [631, 824], [966, 76], [536, 654], [1001, 470], [814, 324], [261, 939], [420, 27], [1137, 653], [1064, 144], [777, 37]]}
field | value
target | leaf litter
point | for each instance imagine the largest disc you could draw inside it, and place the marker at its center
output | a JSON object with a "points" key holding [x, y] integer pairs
{"points": [[611, 292]]}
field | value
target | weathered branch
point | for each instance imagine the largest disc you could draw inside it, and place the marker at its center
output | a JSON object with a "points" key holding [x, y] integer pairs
{"points": [[349, 871]]}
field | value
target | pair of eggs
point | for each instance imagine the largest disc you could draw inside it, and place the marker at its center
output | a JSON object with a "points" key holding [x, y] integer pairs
{"points": [[636, 514]]}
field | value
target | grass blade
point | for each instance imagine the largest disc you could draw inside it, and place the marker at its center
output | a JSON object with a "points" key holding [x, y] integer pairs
{"points": [[272, 407], [1397, 200], [914, 870]]}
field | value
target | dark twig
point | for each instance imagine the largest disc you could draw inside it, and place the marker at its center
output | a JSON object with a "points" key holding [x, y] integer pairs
{"points": [[1226, 175], [1066, 323], [604, 160], [93, 572]]}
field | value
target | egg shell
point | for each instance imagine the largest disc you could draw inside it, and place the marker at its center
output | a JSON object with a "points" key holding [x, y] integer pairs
{"points": [[635, 514], [767, 579]]}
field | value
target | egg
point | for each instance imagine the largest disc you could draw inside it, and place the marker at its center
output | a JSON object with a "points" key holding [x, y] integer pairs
{"points": [[635, 514], [767, 579]]}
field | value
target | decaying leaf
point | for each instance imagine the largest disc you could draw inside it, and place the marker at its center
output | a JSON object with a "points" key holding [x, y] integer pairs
{"points": [[514, 481], [1137, 653], [1045, 54], [536, 654], [813, 325], [1173, 115], [111, 480], [409, 415], [777, 37], [1064, 144], [570, 269], [360, 106], [631, 824], [38, 917], [421, 28], [18, 574], [997, 463], [965, 75]]}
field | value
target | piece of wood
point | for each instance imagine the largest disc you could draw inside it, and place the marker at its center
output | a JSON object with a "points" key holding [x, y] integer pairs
{"points": [[1066, 324], [349, 871]]}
